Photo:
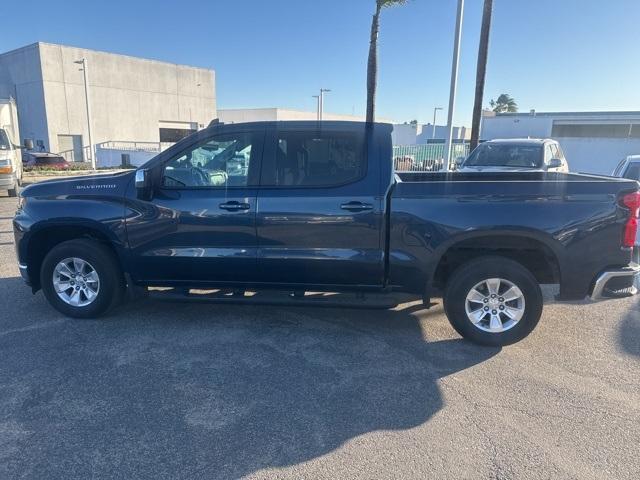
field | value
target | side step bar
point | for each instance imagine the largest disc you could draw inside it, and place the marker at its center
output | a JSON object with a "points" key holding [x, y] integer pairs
{"points": [[279, 298]]}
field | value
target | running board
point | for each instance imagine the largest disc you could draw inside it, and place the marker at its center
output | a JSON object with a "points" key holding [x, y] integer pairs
{"points": [[279, 298]]}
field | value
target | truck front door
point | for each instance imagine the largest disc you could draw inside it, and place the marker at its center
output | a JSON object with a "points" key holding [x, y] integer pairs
{"points": [[200, 224], [319, 215]]}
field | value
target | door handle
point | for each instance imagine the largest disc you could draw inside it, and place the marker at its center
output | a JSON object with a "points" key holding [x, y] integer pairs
{"points": [[356, 206], [234, 206]]}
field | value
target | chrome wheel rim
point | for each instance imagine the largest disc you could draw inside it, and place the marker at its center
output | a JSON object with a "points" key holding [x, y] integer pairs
{"points": [[76, 282], [495, 305]]}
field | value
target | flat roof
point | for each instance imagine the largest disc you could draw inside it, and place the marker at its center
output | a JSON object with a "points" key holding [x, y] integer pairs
{"points": [[37, 45], [621, 113]]}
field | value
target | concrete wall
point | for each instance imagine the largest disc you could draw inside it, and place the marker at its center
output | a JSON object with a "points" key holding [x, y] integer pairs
{"points": [[21, 79], [109, 157], [405, 134], [129, 96], [516, 126], [598, 155]]}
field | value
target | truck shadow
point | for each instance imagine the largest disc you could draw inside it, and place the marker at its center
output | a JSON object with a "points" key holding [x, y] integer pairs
{"points": [[214, 391]]}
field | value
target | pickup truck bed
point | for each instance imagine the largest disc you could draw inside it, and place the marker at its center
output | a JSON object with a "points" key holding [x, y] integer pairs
{"points": [[535, 214]]}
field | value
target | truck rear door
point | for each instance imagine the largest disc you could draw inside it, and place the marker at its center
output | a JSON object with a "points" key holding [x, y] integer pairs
{"points": [[319, 215]]}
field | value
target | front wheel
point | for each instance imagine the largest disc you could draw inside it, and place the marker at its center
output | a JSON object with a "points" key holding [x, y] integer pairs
{"points": [[493, 301], [81, 278]]}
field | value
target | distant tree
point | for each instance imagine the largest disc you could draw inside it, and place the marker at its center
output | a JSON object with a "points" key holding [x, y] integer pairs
{"points": [[372, 62], [414, 123], [504, 103]]}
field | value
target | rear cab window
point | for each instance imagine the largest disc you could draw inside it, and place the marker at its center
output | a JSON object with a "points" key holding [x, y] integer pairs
{"points": [[315, 159]]}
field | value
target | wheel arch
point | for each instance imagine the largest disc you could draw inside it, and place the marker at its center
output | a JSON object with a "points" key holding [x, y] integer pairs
{"points": [[43, 238], [537, 254]]}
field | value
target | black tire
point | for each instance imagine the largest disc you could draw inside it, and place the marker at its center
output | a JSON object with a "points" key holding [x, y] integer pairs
{"points": [[469, 275], [105, 263]]}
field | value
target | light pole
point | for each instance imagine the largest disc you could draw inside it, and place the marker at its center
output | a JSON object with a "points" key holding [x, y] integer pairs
{"points": [[317, 97], [85, 74], [454, 84], [435, 111], [322, 92]]}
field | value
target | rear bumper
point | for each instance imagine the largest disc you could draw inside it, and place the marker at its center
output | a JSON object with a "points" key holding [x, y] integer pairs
{"points": [[615, 283]]}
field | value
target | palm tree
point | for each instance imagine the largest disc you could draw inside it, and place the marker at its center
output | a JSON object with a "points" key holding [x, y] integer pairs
{"points": [[481, 72], [372, 63], [504, 103]]}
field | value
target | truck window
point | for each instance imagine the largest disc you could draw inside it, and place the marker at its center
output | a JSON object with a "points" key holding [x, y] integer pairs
{"points": [[316, 159], [220, 162], [633, 171], [505, 155], [4, 140]]}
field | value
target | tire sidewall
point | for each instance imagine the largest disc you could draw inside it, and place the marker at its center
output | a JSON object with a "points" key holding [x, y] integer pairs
{"points": [[103, 263], [470, 275]]}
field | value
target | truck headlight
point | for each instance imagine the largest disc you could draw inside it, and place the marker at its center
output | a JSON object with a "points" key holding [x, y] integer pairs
{"points": [[5, 166]]}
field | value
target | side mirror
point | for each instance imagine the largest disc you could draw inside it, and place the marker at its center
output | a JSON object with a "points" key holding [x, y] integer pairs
{"points": [[460, 161], [555, 163], [143, 184], [28, 144]]}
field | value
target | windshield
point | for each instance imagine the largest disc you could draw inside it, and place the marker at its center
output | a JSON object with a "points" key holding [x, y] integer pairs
{"points": [[4, 140], [501, 155]]}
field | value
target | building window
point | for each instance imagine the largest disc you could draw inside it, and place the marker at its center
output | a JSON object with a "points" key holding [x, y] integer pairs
{"points": [[172, 135], [592, 130]]}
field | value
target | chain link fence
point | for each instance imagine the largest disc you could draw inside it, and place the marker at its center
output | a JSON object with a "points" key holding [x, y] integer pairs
{"points": [[425, 158]]}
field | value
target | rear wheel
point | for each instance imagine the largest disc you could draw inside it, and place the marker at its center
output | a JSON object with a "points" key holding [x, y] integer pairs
{"points": [[81, 278], [493, 301]]}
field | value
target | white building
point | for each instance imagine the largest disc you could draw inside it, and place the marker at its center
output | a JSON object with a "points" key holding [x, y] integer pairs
{"points": [[593, 142], [414, 134], [273, 114], [131, 99]]}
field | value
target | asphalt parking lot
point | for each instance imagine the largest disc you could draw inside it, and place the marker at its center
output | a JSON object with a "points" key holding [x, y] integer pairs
{"points": [[159, 390]]}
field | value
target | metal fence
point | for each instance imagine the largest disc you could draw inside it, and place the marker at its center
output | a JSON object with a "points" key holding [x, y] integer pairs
{"points": [[82, 155], [425, 158]]}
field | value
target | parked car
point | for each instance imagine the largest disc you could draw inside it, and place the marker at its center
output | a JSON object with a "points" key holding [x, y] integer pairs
{"points": [[629, 168], [45, 159], [528, 154], [320, 208]]}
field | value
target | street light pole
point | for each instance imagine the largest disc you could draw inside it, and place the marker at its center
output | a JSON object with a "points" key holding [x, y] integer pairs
{"points": [[317, 97], [85, 74], [322, 92], [454, 84], [435, 111]]}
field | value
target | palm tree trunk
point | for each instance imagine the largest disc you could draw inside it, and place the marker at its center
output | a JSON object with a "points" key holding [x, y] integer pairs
{"points": [[481, 72], [372, 66]]}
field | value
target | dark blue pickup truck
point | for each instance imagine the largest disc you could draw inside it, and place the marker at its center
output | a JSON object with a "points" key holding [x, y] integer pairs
{"points": [[311, 206]]}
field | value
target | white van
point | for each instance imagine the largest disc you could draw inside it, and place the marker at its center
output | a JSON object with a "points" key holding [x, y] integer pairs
{"points": [[10, 156]]}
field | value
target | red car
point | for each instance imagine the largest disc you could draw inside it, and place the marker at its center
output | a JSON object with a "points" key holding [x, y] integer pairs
{"points": [[45, 159]]}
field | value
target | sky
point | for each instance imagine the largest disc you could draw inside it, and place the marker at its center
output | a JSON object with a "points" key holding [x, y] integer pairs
{"points": [[550, 55]]}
